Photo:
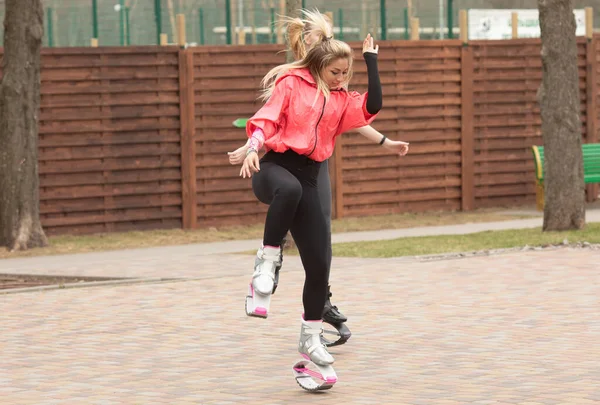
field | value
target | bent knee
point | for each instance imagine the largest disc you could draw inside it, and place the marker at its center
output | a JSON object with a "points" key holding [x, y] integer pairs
{"points": [[290, 191]]}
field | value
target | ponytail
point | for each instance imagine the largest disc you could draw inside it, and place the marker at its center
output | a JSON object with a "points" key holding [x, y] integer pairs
{"points": [[313, 23]]}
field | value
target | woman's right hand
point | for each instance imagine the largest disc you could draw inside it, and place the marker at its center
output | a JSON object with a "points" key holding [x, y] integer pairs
{"points": [[237, 156], [251, 165]]}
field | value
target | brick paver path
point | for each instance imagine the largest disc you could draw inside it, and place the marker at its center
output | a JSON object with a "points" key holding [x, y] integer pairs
{"points": [[520, 328]]}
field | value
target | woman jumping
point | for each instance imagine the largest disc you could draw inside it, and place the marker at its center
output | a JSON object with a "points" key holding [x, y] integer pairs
{"points": [[307, 107], [301, 35]]}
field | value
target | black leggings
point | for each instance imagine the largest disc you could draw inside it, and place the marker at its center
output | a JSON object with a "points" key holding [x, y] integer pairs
{"points": [[287, 182], [324, 190]]}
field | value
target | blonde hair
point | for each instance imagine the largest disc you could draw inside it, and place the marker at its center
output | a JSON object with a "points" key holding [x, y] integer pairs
{"points": [[313, 23], [321, 54]]}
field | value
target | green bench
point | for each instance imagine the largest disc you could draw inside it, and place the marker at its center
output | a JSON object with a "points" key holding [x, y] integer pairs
{"points": [[591, 168]]}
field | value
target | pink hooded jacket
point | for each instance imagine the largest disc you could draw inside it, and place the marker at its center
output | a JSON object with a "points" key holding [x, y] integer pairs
{"points": [[292, 119]]}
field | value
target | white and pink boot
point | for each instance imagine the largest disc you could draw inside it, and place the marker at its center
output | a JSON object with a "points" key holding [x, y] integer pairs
{"points": [[268, 259]]}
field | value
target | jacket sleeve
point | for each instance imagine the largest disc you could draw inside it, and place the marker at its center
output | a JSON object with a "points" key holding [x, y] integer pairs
{"points": [[355, 115], [270, 117]]}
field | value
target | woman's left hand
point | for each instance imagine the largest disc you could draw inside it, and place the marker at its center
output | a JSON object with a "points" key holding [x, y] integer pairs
{"points": [[251, 165], [399, 147], [368, 45]]}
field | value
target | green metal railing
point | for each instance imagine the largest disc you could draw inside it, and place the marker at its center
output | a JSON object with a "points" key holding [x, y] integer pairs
{"points": [[50, 25], [228, 20], [201, 23], [449, 22], [158, 20], [382, 11], [122, 22], [94, 18], [219, 22]]}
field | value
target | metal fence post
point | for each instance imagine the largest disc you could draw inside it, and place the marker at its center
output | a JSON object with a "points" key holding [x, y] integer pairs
{"points": [[383, 20], [228, 20], [50, 17], [406, 23], [95, 19], [158, 20], [122, 22], [201, 24], [127, 27], [450, 16]]}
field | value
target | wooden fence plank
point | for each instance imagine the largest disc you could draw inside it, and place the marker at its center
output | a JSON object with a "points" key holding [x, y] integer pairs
{"points": [[467, 142], [188, 141]]}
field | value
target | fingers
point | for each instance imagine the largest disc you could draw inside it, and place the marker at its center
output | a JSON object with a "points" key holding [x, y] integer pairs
{"points": [[247, 172], [235, 158], [244, 171], [251, 165], [254, 163], [367, 43]]}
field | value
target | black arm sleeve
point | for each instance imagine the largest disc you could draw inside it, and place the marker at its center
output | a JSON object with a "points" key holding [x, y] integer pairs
{"points": [[375, 97]]}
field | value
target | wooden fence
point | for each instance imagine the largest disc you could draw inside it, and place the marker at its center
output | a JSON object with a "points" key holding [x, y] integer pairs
{"points": [[136, 137], [110, 143]]}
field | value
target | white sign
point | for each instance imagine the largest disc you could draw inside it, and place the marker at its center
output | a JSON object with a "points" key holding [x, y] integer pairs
{"points": [[497, 24]]}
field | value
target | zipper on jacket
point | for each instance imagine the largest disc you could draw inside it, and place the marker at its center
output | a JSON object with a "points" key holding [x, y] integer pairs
{"points": [[317, 128]]}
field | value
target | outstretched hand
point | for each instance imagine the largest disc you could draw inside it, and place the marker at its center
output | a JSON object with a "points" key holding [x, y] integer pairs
{"points": [[398, 147], [368, 45]]}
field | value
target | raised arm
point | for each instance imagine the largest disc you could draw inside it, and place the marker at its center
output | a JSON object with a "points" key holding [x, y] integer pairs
{"points": [[374, 94], [362, 108]]}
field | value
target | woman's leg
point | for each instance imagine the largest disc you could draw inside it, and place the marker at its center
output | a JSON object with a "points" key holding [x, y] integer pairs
{"points": [[331, 313], [276, 186], [282, 191], [309, 230], [324, 191]]}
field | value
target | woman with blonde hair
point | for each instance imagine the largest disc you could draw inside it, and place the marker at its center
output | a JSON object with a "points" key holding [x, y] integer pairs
{"points": [[302, 33], [307, 107]]}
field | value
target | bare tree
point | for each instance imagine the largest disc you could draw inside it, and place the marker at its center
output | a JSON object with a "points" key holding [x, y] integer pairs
{"points": [[564, 205], [20, 226]]}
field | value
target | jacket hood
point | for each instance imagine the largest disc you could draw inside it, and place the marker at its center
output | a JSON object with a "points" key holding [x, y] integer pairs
{"points": [[303, 73]]}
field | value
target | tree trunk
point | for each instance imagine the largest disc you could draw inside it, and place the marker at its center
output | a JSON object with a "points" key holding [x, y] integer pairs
{"points": [[20, 226], [292, 9], [564, 206]]}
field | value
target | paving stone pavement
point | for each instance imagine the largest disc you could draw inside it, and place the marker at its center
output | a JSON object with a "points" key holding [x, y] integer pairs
{"points": [[518, 328], [190, 260]]}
